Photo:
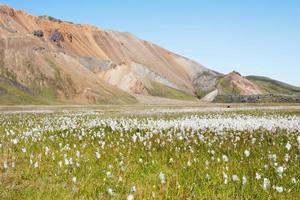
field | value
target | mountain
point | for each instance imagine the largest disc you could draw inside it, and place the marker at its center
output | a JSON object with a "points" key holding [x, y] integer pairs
{"points": [[63, 62]]}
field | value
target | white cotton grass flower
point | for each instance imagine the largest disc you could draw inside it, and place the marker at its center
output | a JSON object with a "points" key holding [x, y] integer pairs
{"points": [[15, 141], [266, 183], [67, 161], [235, 178], [74, 179], [13, 164], [109, 174], [110, 192], [120, 179], [280, 170], [162, 178], [225, 158], [46, 151], [134, 138], [24, 150], [77, 154], [98, 155], [207, 176], [272, 157], [286, 157], [5, 164], [130, 197], [279, 189], [133, 189], [244, 180], [293, 180], [247, 153], [257, 176], [288, 146], [189, 163], [206, 164], [225, 177], [36, 165]]}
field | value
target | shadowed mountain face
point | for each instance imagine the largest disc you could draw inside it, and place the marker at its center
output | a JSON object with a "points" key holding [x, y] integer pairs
{"points": [[63, 62]]}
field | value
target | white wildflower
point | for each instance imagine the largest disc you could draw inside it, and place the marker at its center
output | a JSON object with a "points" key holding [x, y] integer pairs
{"points": [[280, 170], [235, 178], [244, 180], [5, 165], [109, 174], [225, 176], [189, 163], [130, 197], [77, 154], [247, 153], [13, 164], [257, 176], [133, 189], [67, 161], [225, 158], [98, 155], [279, 189], [110, 192], [15, 141], [266, 184], [74, 179], [24, 150], [162, 178], [288, 146]]}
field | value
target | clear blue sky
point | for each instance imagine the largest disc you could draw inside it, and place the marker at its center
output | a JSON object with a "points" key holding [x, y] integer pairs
{"points": [[260, 37]]}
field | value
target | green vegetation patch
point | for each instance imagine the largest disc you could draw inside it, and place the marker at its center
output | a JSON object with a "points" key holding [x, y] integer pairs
{"points": [[168, 92], [273, 86], [12, 95]]}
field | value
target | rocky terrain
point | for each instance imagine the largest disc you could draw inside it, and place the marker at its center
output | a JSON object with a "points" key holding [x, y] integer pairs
{"points": [[60, 62]]}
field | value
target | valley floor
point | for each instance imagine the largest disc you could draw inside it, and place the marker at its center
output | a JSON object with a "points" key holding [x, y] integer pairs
{"points": [[161, 106], [187, 151]]}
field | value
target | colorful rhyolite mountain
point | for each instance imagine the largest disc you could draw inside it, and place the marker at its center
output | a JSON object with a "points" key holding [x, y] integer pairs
{"points": [[44, 60]]}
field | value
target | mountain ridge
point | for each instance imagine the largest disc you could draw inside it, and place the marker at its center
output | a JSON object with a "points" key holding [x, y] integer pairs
{"points": [[79, 63]]}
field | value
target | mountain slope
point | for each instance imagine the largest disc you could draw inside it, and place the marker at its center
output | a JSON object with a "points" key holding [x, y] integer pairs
{"points": [[234, 83], [273, 86], [48, 40], [74, 63], [12, 92]]}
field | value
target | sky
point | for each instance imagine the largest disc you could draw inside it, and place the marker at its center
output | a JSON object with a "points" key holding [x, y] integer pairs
{"points": [[253, 37]]}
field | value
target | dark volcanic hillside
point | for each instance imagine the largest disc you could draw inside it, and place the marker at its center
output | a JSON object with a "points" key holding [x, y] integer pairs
{"points": [[61, 62]]}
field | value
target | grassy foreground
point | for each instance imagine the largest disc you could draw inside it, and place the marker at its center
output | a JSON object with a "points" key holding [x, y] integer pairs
{"points": [[93, 156]]}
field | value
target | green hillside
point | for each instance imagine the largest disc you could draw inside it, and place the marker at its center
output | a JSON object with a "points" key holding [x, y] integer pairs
{"points": [[13, 93], [168, 92], [273, 86]]}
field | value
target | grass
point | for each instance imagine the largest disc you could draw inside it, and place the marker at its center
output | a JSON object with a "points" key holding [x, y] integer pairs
{"points": [[168, 92], [13, 96], [132, 155]]}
